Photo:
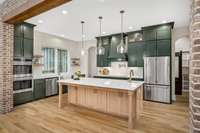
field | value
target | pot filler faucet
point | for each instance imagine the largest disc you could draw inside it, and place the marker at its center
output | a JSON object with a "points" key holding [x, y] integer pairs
{"points": [[131, 74]]}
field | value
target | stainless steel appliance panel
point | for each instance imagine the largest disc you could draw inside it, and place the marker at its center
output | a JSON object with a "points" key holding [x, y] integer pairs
{"points": [[163, 70], [150, 70], [157, 93]]}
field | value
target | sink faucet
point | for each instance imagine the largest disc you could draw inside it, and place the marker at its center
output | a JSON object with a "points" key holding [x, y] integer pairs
{"points": [[130, 75]]}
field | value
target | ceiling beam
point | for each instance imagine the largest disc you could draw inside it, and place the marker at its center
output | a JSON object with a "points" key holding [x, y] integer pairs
{"points": [[30, 9]]}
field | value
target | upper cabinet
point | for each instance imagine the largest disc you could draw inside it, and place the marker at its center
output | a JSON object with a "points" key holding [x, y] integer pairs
{"points": [[135, 36], [115, 41], [23, 41], [103, 60], [151, 41], [157, 32]]}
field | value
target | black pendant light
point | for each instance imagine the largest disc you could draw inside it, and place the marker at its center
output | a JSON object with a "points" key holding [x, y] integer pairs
{"points": [[82, 43], [121, 48], [100, 49]]}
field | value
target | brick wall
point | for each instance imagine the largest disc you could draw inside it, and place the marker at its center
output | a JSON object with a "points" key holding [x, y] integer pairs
{"points": [[6, 57], [195, 68]]}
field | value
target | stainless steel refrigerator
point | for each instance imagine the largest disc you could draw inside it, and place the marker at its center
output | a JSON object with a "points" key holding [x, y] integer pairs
{"points": [[157, 79]]}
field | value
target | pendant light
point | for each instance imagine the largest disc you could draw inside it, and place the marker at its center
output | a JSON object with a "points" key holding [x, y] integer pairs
{"points": [[100, 49], [121, 48], [82, 43]]}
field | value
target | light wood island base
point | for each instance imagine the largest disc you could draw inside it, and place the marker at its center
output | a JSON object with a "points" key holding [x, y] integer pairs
{"points": [[122, 103]]}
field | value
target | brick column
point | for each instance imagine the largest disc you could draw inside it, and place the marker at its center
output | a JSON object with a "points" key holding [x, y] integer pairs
{"points": [[195, 68], [6, 59]]}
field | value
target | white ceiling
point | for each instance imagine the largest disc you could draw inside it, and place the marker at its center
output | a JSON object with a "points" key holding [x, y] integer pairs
{"points": [[138, 13], [1, 1]]}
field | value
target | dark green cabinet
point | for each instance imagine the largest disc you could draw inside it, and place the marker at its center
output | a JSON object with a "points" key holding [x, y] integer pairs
{"points": [[28, 48], [115, 41], [18, 44], [163, 47], [39, 89], [23, 40], [135, 36], [150, 49], [23, 97], [103, 60], [161, 32], [149, 35], [135, 54], [28, 30]]}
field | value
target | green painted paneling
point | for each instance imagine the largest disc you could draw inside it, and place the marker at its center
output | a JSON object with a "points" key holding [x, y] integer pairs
{"points": [[163, 47], [23, 40], [28, 48], [18, 45], [150, 49], [103, 60], [115, 41], [39, 89], [135, 54], [24, 97]]}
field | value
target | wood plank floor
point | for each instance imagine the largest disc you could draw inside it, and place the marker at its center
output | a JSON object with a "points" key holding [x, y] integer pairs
{"points": [[43, 116]]}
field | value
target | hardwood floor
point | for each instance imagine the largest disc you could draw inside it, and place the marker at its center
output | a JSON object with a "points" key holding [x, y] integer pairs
{"points": [[44, 116]]}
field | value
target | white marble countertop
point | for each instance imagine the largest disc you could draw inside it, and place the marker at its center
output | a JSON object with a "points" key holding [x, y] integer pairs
{"points": [[106, 83]]}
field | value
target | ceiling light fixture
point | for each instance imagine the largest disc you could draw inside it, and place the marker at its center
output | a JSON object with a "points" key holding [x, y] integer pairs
{"points": [[103, 32], [164, 21], [82, 43], [100, 48], [40, 21], [130, 27], [64, 12], [62, 35], [121, 48]]}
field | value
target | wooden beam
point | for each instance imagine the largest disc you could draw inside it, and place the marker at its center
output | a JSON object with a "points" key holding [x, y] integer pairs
{"points": [[30, 9]]}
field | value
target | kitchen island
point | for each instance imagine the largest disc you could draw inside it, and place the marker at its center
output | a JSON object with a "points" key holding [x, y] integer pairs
{"points": [[116, 97]]}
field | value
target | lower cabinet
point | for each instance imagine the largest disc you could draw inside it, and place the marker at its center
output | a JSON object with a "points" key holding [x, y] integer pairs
{"points": [[39, 89], [45, 87], [23, 97]]}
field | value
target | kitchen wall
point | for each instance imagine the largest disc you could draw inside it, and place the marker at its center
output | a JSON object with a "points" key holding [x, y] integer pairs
{"points": [[46, 40]]}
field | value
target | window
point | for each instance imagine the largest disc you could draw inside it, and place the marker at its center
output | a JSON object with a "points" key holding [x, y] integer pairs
{"points": [[49, 60], [62, 61]]}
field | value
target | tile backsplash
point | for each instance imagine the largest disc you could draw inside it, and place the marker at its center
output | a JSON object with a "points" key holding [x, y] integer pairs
{"points": [[121, 69]]}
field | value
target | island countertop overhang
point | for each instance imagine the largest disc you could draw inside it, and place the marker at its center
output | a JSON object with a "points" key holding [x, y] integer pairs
{"points": [[105, 83]]}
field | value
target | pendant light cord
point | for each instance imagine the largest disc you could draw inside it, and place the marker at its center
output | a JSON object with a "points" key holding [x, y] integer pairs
{"points": [[100, 19], [122, 13], [82, 23]]}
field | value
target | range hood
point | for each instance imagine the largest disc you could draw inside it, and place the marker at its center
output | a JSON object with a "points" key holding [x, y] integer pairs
{"points": [[113, 55]]}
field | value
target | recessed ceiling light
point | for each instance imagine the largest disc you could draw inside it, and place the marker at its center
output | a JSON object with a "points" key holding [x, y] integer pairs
{"points": [[64, 12], [84, 36], [40, 21], [62, 35], [104, 32], [164, 21], [130, 27]]}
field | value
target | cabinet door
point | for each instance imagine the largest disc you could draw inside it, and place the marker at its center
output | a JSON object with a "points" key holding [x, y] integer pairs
{"points": [[103, 60], [163, 47], [24, 97], [28, 48], [150, 49], [18, 44], [149, 35], [39, 89], [18, 30], [135, 54], [115, 41], [132, 55], [28, 31], [163, 34]]}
